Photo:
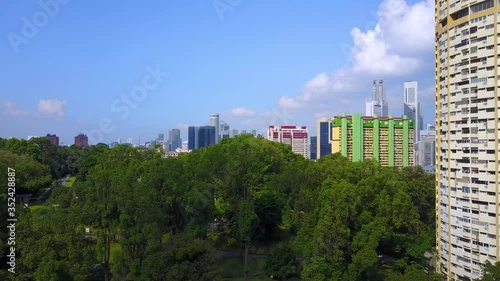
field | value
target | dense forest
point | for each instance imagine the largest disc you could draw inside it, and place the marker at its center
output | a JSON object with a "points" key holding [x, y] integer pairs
{"points": [[246, 204]]}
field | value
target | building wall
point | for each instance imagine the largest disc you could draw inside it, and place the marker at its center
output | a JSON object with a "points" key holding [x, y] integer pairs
{"points": [[467, 142], [313, 148], [324, 137], [296, 137], [387, 140]]}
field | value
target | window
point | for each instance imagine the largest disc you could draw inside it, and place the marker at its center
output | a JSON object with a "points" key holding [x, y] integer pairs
{"points": [[481, 6]]}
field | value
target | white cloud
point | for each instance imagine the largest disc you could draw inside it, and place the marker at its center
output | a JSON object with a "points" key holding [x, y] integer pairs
{"points": [[400, 38], [9, 109], [242, 112], [51, 107]]}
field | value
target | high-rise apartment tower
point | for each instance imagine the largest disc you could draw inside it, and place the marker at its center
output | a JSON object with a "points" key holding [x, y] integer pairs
{"points": [[467, 138]]}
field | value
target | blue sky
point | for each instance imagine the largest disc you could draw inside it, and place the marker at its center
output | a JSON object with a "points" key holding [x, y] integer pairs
{"points": [[255, 63]]}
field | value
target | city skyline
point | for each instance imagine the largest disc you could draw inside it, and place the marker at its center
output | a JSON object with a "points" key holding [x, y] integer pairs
{"points": [[317, 75]]}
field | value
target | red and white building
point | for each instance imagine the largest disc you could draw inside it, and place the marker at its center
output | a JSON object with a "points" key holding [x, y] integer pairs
{"points": [[295, 136]]}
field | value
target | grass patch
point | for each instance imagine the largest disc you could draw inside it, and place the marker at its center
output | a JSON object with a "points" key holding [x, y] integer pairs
{"points": [[114, 250], [70, 182], [38, 207]]}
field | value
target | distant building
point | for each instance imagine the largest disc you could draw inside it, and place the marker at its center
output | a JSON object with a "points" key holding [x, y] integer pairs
{"points": [[214, 122], [387, 140], [161, 137], [192, 137], [175, 139], [224, 130], [295, 136], [378, 104], [207, 135], [313, 147], [113, 144], [234, 133], [185, 145], [82, 140], [425, 149], [53, 139], [324, 138], [412, 106], [254, 133], [129, 140], [243, 132]]}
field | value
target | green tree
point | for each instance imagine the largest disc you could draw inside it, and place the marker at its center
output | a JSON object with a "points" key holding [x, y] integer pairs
{"points": [[491, 272], [281, 263]]}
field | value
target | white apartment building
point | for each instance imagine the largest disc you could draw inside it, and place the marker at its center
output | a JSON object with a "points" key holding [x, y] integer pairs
{"points": [[467, 142], [295, 136]]}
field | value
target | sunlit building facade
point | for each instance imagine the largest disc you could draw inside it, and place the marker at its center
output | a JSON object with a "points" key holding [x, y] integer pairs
{"points": [[467, 115]]}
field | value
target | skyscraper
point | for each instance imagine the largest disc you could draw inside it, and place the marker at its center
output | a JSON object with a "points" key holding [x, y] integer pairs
{"points": [[378, 104], [174, 139], [161, 137], [467, 141], [324, 138], [313, 147], [192, 137], [129, 140], [206, 136], [254, 133], [214, 122], [412, 106]]}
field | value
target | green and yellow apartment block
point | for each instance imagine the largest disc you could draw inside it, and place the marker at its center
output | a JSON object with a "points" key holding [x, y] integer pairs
{"points": [[387, 140]]}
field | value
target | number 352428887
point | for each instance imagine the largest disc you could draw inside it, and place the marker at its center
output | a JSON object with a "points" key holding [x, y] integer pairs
{"points": [[11, 193]]}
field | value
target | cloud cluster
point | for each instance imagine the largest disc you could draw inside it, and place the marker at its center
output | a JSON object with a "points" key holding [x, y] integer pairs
{"points": [[394, 47], [393, 44], [49, 107]]}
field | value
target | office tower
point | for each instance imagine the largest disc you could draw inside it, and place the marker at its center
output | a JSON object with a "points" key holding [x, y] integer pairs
{"points": [[291, 135], [234, 133], [387, 140], [224, 130], [206, 136], [412, 106], [324, 137], [174, 139], [243, 132], [313, 147], [161, 137], [53, 139], [82, 140], [129, 140], [378, 104], [192, 137], [425, 152], [467, 171], [214, 122], [430, 127], [254, 133]]}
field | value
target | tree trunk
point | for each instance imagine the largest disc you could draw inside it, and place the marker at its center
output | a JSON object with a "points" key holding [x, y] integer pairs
{"points": [[246, 260]]}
